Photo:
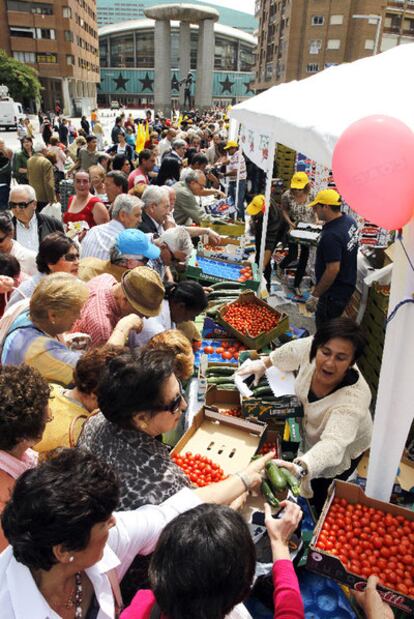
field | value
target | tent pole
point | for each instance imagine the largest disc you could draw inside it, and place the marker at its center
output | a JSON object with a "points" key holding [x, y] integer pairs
{"points": [[238, 170], [269, 175]]}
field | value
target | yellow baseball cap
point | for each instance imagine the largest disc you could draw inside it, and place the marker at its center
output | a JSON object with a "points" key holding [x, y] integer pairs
{"points": [[328, 197], [231, 144], [257, 205], [299, 180]]}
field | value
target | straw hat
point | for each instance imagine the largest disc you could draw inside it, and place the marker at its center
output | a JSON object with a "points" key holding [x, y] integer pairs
{"points": [[143, 289]]}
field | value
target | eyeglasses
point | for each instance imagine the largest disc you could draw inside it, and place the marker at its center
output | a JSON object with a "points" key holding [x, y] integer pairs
{"points": [[175, 406], [71, 257], [21, 205]]}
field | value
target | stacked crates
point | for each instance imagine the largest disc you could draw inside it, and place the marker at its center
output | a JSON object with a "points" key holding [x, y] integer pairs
{"points": [[286, 163]]}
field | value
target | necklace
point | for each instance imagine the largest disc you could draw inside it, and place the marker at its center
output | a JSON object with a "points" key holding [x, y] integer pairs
{"points": [[76, 600]]}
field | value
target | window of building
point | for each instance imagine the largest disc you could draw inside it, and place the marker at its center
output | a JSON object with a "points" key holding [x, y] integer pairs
{"points": [[67, 11], [336, 20], [225, 54], [246, 59], [175, 49], [46, 58], [42, 9], [26, 33], [70, 59], [408, 25], [45, 33], [122, 51], [68, 36], [369, 44], [312, 68], [193, 50], [318, 20], [333, 44], [16, 5], [25, 57], [144, 49], [315, 46], [269, 71]]}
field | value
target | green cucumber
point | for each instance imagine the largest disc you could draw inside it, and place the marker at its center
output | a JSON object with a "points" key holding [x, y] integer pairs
{"points": [[268, 494], [227, 386], [291, 480], [218, 370], [276, 479], [217, 380], [264, 390], [213, 311], [225, 286]]}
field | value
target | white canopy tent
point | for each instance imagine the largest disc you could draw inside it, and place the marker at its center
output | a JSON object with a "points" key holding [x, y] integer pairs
{"points": [[309, 116]]}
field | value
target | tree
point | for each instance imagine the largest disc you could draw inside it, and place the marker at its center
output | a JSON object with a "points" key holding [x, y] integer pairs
{"points": [[22, 81]]}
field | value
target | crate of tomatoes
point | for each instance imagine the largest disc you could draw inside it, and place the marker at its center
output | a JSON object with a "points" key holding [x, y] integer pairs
{"points": [[357, 536], [252, 320]]}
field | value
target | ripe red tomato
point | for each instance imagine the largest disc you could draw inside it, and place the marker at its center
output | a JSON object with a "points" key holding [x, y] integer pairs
{"points": [[208, 350]]}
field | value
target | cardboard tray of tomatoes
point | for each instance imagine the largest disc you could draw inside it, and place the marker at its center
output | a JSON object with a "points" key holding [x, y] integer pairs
{"points": [[357, 536], [261, 314]]}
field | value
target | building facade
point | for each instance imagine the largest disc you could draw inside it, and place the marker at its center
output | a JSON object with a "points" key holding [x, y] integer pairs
{"points": [[114, 11], [127, 57], [300, 37], [398, 26], [59, 38]]}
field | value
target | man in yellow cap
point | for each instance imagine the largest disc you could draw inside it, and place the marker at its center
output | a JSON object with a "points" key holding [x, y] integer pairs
{"points": [[336, 258], [232, 163]]}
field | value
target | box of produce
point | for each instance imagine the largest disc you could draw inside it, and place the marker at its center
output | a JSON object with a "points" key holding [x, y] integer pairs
{"points": [[229, 442], [225, 227], [268, 408], [220, 294], [217, 351], [357, 536], [212, 329], [214, 270], [252, 320], [223, 401]]}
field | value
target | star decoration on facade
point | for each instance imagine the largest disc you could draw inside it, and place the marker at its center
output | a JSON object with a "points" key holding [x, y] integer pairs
{"points": [[248, 87], [175, 84], [226, 85], [120, 82], [147, 82]]}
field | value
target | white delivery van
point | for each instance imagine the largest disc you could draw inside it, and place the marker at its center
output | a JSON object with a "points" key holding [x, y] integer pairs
{"points": [[10, 112]]}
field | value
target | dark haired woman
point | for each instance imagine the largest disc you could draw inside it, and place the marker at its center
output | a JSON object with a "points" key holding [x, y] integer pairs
{"points": [[24, 390], [337, 423], [169, 172], [68, 550], [10, 273], [122, 164], [57, 253], [20, 160], [182, 302], [204, 563]]}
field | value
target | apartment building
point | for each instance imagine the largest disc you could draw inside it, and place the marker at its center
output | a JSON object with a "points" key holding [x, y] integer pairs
{"points": [[398, 24], [300, 37], [59, 38]]}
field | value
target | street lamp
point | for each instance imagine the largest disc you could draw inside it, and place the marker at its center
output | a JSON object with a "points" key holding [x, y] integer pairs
{"points": [[378, 19]]}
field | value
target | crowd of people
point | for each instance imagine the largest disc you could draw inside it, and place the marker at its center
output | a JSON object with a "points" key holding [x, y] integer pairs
{"points": [[96, 344]]}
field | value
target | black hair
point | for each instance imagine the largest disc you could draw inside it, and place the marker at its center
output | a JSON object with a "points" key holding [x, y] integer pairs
{"points": [[6, 223], [56, 503], [9, 265], [133, 382], [103, 157], [169, 171], [188, 292], [203, 564], [120, 179], [343, 328], [24, 396], [51, 249], [90, 137], [144, 155], [199, 159], [118, 161]]}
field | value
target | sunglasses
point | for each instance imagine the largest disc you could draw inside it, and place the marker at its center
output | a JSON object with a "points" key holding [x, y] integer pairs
{"points": [[71, 257], [21, 205], [175, 406]]}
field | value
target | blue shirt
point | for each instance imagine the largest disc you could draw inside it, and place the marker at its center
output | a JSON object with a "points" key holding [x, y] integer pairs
{"points": [[339, 243]]}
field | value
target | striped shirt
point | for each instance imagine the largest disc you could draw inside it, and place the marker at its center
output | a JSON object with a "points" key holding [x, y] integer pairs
{"points": [[99, 240]]}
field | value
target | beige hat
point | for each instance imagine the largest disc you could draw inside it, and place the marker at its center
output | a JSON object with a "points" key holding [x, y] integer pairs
{"points": [[143, 289]]}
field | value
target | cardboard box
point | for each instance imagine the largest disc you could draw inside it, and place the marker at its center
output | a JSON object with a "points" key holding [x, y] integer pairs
{"points": [[212, 329], [277, 409], [229, 442], [263, 339], [224, 228], [328, 565], [193, 271]]}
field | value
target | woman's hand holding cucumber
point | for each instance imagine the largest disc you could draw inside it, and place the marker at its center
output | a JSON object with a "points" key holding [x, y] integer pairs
{"points": [[256, 368], [281, 529]]}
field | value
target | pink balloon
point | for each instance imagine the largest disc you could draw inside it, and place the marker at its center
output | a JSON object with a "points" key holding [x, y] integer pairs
{"points": [[373, 168]]}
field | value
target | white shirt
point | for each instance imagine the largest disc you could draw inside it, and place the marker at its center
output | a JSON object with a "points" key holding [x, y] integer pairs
{"points": [[99, 240], [153, 326], [28, 237], [234, 164], [26, 257], [135, 532], [164, 146]]}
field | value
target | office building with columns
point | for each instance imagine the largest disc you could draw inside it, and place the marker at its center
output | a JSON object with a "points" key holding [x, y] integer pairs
{"points": [[144, 62]]}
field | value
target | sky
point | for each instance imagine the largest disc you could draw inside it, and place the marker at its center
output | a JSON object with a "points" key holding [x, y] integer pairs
{"points": [[246, 6]]}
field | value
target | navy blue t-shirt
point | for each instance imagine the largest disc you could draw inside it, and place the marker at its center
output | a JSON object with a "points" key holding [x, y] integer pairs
{"points": [[339, 243]]}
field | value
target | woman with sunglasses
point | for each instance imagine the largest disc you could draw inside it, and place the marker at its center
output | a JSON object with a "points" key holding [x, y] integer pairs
{"points": [[57, 254], [140, 398]]}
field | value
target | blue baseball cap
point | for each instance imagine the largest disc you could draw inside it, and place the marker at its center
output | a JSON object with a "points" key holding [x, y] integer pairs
{"points": [[133, 242]]}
